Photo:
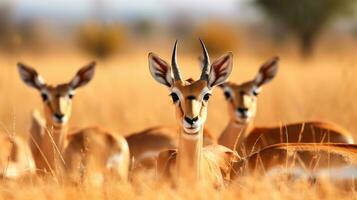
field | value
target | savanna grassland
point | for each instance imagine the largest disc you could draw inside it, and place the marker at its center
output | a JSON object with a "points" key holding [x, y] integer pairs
{"points": [[123, 97]]}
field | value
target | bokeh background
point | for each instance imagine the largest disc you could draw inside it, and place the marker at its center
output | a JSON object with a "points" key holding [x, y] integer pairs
{"points": [[316, 41]]}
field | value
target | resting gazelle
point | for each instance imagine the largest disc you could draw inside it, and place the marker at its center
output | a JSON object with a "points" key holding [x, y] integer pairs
{"points": [[16, 159], [316, 161], [240, 133], [191, 161], [89, 150]]}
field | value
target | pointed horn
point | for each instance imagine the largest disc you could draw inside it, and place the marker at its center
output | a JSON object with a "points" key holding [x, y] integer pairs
{"points": [[206, 63], [175, 68]]}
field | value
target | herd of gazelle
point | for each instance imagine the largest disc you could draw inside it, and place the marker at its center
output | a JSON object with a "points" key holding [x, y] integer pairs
{"points": [[187, 153]]}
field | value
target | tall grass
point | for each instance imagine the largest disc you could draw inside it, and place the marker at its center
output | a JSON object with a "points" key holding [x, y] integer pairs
{"points": [[123, 97]]}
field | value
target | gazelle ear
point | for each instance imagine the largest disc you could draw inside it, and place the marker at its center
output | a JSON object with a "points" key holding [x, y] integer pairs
{"points": [[30, 76], [220, 70], [223, 85], [160, 70], [267, 71], [83, 76]]}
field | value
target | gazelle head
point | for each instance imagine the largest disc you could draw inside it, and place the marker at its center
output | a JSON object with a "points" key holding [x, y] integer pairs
{"points": [[242, 98], [57, 99], [191, 97]]}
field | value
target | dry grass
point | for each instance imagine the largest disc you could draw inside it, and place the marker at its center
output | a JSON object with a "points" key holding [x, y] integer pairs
{"points": [[123, 97]]}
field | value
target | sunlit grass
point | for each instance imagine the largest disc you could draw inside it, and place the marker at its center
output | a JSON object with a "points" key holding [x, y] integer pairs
{"points": [[124, 98]]}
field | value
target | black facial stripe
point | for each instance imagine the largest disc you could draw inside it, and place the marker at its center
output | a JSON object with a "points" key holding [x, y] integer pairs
{"points": [[191, 97]]}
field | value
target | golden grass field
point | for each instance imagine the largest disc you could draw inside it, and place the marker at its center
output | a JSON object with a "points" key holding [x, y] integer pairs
{"points": [[123, 97]]}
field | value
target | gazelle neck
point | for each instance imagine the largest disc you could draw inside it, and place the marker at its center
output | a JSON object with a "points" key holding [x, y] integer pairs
{"points": [[56, 134], [52, 145], [189, 156], [234, 134]]}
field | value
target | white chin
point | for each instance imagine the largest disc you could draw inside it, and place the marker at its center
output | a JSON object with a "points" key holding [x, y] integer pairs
{"points": [[59, 122], [192, 131], [242, 120]]}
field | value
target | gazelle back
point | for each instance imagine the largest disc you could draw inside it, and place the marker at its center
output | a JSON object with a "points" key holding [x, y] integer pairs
{"points": [[242, 135], [57, 149]]}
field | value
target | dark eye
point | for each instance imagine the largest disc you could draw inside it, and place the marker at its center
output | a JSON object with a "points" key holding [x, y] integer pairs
{"points": [[227, 95], [206, 97], [174, 97], [70, 96], [44, 96], [255, 93]]}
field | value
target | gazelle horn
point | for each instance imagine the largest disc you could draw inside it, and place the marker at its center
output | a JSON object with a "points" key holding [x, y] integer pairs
{"points": [[175, 68], [206, 63]]}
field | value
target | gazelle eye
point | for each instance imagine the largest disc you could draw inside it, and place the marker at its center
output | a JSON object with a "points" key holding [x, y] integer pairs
{"points": [[44, 96], [255, 93], [70, 96], [206, 97], [174, 97], [227, 95]]}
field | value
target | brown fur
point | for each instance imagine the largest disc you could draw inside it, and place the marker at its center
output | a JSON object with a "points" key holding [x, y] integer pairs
{"points": [[241, 134], [15, 157], [216, 160], [310, 157], [156, 139], [89, 151], [191, 161], [50, 137]]}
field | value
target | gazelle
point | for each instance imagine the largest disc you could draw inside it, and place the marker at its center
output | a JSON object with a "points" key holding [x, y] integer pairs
{"points": [[312, 160], [146, 145], [51, 137], [191, 161], [240, 133], [15, 157]]}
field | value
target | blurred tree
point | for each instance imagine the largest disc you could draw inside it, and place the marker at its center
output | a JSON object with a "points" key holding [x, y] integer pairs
{"points": [[101, 40], [306, 18], [218, 37], [17, 35], [6, 26]]}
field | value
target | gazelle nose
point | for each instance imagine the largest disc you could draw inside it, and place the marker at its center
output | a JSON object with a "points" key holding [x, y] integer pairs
{"points": [[59, 116], [242, 110], [191, 121]]}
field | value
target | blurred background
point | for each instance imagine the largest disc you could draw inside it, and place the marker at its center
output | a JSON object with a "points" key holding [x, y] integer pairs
{"points": [[316, 41]]}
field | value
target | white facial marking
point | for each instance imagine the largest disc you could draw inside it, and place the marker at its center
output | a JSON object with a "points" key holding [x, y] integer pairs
{"points": [[194, 128], [229, 90], [44, 91], [256, 89], [244, 118], [178, 92], [204, 92], [60, 121], [63, 103], [72, 92]]}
